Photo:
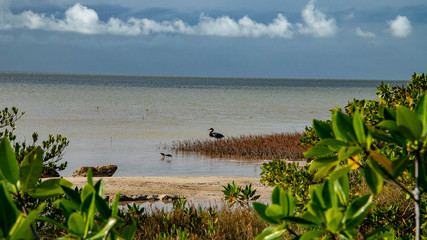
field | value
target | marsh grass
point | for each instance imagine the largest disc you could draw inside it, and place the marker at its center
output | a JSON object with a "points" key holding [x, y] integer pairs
{"points": [[214, 221], [266, 147], [193, 222]]}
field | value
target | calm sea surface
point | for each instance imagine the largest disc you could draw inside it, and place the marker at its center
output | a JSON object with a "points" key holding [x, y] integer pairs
{"points": [[123, 120]]}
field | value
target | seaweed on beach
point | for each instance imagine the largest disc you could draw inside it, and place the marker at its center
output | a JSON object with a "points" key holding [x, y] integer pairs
{"points": [[266, 146]]}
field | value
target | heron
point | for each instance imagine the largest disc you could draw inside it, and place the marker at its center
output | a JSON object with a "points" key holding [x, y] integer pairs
{"points": [[215, 134]]}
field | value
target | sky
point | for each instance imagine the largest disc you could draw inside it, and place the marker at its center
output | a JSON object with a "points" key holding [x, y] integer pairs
{"points": [[334, 39]]}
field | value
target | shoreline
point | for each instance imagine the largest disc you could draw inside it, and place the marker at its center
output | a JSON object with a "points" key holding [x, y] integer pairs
{"points": [[194, 189]]}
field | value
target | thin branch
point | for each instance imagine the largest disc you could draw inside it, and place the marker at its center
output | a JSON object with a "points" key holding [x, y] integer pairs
{"points": [[291, 231]]}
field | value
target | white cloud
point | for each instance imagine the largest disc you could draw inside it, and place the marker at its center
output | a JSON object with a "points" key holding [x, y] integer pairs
{"points": [[316, 23], [246, 27], [400, 27], [82, 19], [361, 33]]}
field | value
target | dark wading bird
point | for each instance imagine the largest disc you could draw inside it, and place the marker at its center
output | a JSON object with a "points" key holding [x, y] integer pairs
{"points": [[215, 134]]}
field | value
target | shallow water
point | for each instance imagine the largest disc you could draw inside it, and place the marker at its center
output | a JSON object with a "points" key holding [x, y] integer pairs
{"points": [[123, 120]]}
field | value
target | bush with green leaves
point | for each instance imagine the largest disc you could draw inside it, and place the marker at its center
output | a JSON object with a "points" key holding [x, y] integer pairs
{"points": [[238, 194], [17, 180], [289, 175], [53, 147], [388, 97], [87, 213], [349, 144]]}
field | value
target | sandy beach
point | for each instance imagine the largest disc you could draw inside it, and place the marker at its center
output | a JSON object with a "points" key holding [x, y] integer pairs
{"points": [[196, 189]]}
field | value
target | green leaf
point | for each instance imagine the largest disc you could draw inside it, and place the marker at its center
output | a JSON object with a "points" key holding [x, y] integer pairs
{"points": [[31, 169], [8, 165], [323, 162], [271, 233], [88, 207], [286, 202], [332, 144], [23, 224], [357, 211], [408, 123], [390, 125], [373, 177], [102, 207], [421, 111], [379, 158], [87, 191], [275, 195], [381, 135], [328, 195], [389, 114], [316, 194], [322, 129], [338, 173], [67, 206], [49, 188], [315, 211], [129, 231], [318, 152], [72, 194], [342, 127], [333, 219], [89, 177], [310, 217], [115, 206], [359, 127], [105, 230], [9, 213], [347, 152], [260, 208], [313, 234], [274, 211], [400, 165], [342, 188], [99, 187], [76, 224]]}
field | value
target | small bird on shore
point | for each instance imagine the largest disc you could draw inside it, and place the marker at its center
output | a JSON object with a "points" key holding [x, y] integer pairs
{"points": [[164, 155], [215, 134]]}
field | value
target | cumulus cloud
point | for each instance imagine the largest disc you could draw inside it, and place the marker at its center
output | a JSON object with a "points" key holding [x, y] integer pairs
{"points": [[400, 27], [81, 19], [225, 26], [361, 33], [316, 23]]}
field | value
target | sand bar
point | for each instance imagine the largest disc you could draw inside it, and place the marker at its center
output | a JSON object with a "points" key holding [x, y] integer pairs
{"points": [[196, 189]]}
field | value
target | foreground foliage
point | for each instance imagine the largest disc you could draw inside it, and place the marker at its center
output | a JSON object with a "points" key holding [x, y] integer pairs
{"points": [[87, 214], [386, 145]]}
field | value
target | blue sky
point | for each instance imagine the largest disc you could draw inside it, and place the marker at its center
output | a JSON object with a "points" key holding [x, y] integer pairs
{"points": [[383, 39]]}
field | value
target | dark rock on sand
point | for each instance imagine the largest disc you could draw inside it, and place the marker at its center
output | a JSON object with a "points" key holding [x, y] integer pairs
{"points": [[98, 171], [141, 197]]}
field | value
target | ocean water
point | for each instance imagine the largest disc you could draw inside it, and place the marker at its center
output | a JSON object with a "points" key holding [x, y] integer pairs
{"points": [[123, 120]]}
